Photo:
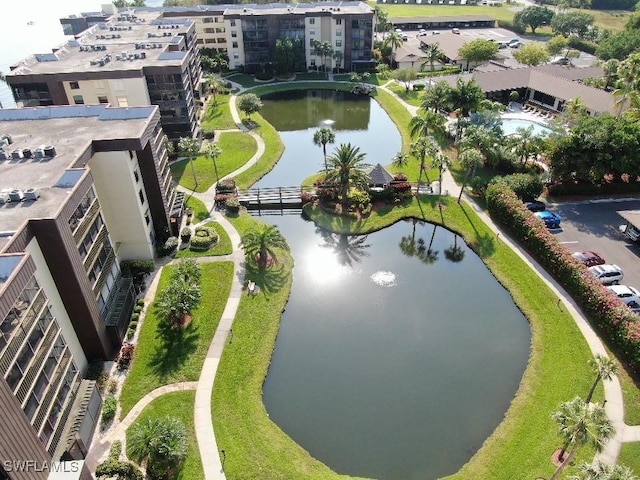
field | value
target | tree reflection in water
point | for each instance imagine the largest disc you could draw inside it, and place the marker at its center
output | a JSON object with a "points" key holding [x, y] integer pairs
{"points": [[349, 249], [412, 247]]}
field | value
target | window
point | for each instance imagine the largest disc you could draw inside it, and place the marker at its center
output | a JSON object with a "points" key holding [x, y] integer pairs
{"points": [[338, 21], [74, 85], [236, 56], [78, 100], [102, 99], [312, 21], [232, 23], [312, 32], [123, 102], [234, 45], [209, 30], [207, 20], [141, 195], [234, 34], [338, 33], [147, 217], [313, 62], [338, 43]]}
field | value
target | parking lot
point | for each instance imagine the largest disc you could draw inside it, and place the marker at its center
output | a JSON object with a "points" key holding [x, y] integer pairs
{"points": [[594, 226]]}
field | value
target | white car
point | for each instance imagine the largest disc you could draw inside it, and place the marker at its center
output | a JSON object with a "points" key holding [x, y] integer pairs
{"points": [[628, 295], [608, 274], [421, 33]]}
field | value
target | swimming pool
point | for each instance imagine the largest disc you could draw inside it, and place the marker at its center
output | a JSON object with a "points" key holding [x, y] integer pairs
{"points": [[510, 126]]}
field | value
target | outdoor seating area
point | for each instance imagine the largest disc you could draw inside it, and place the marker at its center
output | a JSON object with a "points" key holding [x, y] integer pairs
{"points": [[538, 111]]}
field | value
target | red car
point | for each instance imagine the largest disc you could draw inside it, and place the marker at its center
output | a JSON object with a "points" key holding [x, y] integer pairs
{"points": [[589, 258]]}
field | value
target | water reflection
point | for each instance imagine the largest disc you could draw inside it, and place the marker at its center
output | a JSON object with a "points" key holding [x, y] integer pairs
{"points": [[348, 249], [455, 253], [412, 247]]}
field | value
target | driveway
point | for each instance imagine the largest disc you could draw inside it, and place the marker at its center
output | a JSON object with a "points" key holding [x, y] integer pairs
{"points": [[594, 226]]}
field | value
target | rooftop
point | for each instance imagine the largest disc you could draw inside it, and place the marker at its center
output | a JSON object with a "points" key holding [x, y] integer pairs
{"points": [[64, 133], [125, 42], [271, 8]]}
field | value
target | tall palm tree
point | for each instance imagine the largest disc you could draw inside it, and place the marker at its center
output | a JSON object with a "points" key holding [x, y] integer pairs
{"points": [[400, 160], [470, 159], [426, 124], [260, 244], [214, 85], [628, 79], [432, 53], [422, 148], [188, 147], [436, 97], [610, 68], [441, 162], [603, 471], [466, 96], [323, 136], [212, 150], [393, 40], [346, 167], [605, 369], [581, 423]]}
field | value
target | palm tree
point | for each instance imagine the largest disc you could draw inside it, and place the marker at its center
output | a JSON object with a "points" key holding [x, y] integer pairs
{"points": [[188, 147], [394, 40], [470, 159], [603, 471], [400, 160], [574, 110], [432, 53], [454, 253], [160, 443], [421, 149], [441, 162], [581, 423], [436, 97], [466, 96], [347, 167], [426, 124], [212, 150], [605, 369], [323, 136], [628, 78], [214, 85], [338, 56], [260, 244], [610, 68]]}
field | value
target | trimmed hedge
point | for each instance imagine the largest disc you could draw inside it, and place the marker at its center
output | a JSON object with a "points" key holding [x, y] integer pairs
{"points": [[583, 45], [203, 239], [605, 311], [524, 185]]}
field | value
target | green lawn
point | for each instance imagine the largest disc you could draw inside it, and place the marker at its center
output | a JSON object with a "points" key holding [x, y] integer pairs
{"points": [[163, 357], [223, 247], [199, 209], [412, 97], [237, 149], [179, 405], [630, 456], [218, 115]]}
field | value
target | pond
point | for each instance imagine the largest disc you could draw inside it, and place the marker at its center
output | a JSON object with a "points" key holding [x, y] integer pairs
{"points": [[390, 363]]}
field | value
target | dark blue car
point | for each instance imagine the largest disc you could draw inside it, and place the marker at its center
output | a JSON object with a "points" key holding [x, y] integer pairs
{"points": [[550, 219]]}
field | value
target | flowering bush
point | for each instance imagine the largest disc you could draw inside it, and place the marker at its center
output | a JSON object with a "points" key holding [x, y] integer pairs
{"points": [[123, 360], [227, 185], [602, 307]]}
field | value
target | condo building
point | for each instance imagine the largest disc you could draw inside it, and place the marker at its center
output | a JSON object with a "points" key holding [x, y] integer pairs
{"points": [[128, 61], [82, 188]]}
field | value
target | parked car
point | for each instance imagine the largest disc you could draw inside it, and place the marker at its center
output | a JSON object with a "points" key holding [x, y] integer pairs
{"points": [[503, 45], [435, 32], [550, 219], [535, 205], [608, 274], [421, 33], [456, 31], [589, 258], [627, 294], [560, 61], [515, 45]]}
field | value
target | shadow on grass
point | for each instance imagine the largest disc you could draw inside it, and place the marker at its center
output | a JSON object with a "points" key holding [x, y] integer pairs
{"points": [[174, 346], [484, 244], [270, 280]]}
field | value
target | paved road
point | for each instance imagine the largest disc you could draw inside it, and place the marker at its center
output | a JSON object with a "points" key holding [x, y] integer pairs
{"points": [[594, 226]]}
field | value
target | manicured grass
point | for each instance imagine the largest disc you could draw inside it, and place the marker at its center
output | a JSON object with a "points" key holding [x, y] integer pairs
{"points": [[412, 97], [273, 151], [255, 447], [223, 247], [630, 456], [218, 115], [168, 356], [237, 149], [521, 446], [179, 405], [631, 394], [199, 209]]}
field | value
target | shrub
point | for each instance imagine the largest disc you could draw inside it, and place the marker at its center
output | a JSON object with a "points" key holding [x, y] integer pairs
{"points": [[232, 204], [135, 317], [115, 451], [113, 386], [359, 198], [130, 334], [124, 358], [226, 185], [140, 302], [102, 380], [525, 186], [185, 234], [605, 311], [264, 76], [418, 87], [132, 268], [478, 185], [208, 133], [94, 370], [133, 324], [203, 239], [109, 408], [306, 197], [169, 247], [400, 177], [137, 309], [583, 45]]}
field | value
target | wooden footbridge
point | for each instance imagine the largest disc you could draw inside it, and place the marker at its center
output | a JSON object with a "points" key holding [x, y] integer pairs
{"points": [[274, 198]]}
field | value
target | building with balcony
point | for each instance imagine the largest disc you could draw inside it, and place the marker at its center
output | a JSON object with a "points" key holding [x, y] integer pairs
{"points": [[82, 188], [128, 61]]}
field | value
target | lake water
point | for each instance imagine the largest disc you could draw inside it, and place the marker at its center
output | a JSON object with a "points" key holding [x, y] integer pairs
{"points": [[387, 365]]}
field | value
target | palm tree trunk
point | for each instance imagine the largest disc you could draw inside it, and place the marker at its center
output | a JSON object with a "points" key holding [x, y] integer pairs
{"points": [[193, 172], [564, 464], [420, 174], [464, 184], [592, 390], [215, 166], [324, 151]]}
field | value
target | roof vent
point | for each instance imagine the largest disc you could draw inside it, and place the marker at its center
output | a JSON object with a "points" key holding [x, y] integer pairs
{"points": [[38, 153], [31, 194], [17, 154], [26, 153], [49, 150], [4, 155], [16, 195], [8, 138]]}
